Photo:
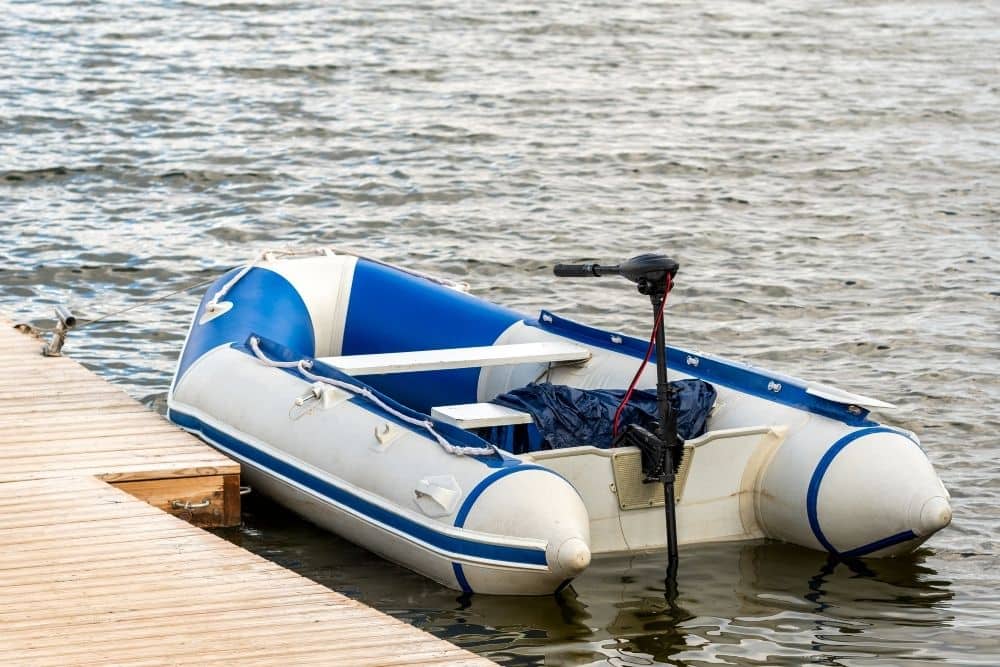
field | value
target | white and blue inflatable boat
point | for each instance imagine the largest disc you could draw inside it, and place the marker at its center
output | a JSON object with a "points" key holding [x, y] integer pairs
{"points": [[361, 395]]}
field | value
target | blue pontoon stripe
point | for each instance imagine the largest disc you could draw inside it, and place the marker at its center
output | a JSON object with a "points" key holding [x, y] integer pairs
{"points": [[770, 386], [892, 540], [463, 583], [484, 484], [812, 494], [410, 528]]}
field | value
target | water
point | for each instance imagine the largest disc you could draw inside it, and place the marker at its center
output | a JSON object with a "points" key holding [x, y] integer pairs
{"points": [[826, 175]]}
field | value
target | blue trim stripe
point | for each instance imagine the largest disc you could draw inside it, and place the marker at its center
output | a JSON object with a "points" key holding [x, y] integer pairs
{"points": [[812, 495], [412, 529], [470, 500], [463, 583], [741, 377], [904, 536]]}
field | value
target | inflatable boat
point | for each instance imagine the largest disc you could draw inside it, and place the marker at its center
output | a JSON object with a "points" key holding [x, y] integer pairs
{"points": [[379, 403]]}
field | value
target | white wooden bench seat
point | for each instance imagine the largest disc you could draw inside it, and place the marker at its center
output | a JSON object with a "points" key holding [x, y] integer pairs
{"points": [[479, 415], [457, 357]]}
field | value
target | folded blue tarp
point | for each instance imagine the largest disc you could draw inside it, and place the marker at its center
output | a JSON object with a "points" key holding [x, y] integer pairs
{"points": [[569, 417]]}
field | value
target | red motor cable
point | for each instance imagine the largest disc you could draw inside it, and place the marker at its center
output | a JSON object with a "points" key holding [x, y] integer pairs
{"points": [[649, 349]]}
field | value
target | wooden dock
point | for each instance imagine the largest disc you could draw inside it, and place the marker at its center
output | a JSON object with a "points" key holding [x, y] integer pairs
{"points": [[91, 575]]}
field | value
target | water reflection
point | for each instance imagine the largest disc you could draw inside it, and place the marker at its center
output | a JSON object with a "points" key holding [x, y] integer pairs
{"points": [[733, 604]]}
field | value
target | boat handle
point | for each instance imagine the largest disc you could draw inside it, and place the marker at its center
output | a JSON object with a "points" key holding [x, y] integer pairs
{"points": [[187, 505]]}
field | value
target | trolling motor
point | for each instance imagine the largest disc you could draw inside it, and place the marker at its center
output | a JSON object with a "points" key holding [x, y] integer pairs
{"points": [[653, 276]]}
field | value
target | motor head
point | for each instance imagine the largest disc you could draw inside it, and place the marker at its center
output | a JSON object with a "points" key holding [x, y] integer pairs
{"points": [[651, 267]]}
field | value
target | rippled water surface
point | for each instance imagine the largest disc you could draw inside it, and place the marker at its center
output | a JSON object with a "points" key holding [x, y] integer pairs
{"points": [[827, 175]]}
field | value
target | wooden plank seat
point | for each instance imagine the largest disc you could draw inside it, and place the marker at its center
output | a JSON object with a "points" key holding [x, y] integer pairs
{"points": [[479, 415], [457, 357]]}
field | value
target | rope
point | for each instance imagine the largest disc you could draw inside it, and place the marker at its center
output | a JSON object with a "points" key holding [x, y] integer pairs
{"points": [[146, 302], [303, 366], [255, 346], [213, 303], [37, 331]]}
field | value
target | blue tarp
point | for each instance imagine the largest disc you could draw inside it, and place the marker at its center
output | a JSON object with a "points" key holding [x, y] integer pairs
{"points": [[569, 417]]}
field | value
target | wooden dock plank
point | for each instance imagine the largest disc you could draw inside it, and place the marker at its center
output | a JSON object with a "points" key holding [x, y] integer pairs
{"points": [[70, 461], [17, 406], [106, 452], [125, 473], [56, 610], [276, 604], [10, 419], [94, 428]]}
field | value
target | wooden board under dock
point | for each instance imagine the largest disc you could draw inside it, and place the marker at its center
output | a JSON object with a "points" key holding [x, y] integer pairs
{"points": [[91, 576], [58, 419]]}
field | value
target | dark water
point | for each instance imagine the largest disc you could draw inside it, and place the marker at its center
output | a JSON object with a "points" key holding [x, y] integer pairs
{"points": [[827, 175]]}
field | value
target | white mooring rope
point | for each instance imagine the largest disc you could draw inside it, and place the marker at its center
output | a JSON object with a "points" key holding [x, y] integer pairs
{"points": [[213, 303], [304, 365]]}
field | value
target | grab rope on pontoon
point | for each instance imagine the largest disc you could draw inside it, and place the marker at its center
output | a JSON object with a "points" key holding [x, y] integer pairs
{"points": [[303, 366]]}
